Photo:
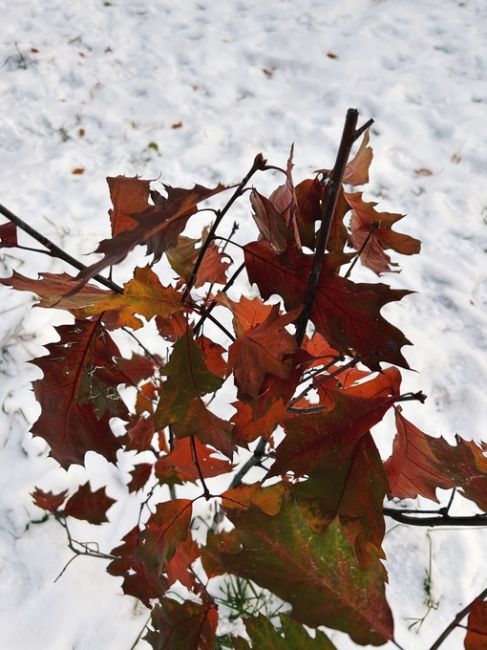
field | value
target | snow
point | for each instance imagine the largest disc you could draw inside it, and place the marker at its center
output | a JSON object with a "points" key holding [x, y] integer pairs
{"points": [[99, 86]]}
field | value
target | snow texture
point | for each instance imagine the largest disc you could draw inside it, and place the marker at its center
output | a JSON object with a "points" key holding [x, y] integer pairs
{"points": [[191, 92]]}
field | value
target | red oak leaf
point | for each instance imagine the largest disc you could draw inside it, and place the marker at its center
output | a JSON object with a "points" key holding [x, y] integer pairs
{"points": [[180, 464], [88, 505], [372, 233], [48, 500], [76, 396], [262, 350], [129, 196], [347, 314]]}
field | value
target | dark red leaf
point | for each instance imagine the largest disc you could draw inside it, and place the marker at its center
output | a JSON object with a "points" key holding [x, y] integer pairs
{"points": [[8, 235], [476, 638], [78, 394], [345, 313], [183, 626], [48, 500], [140, 475], [88, 505]]}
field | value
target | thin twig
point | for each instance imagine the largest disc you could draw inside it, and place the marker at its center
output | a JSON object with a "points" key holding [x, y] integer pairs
{"points": [[259, 163], [210, 307], [373, 228], [55, 251], [142, 346], [332, 375], [461, 614], [194, 452]]}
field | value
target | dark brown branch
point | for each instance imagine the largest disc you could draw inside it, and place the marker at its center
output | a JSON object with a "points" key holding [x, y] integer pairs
{"points": [[334, 182], [447, 631], [259, 163], [254, 460], [206, 491], [54, 250], [412, 518]]}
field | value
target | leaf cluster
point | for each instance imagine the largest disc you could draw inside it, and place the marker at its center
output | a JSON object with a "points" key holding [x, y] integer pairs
{"points": [[292, 466]]}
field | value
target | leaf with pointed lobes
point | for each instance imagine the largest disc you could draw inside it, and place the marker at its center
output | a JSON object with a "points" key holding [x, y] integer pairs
{"points": [[476, 638], [8, 235], [140, 432], [188, 377], [183, 255], [213, 355], [465, 465], [312, 567], [354, 493], [165, 529], [357, 170], [311, 196], [249, 427], [270, 222], [321, 440], [48, 500], [187, 625], [78, 394], [263, 634], [144, 295], [159, 226], [88, 505], [420, 463], [140, 475], [372, 233], [268, 499], [347, 314], [178, 568], [139, 580], [413, 468], [247, 313], [171, 329], [180, 466], [52, 288], [262, 350], [129, 195], [285, 201], [180, 403], [136, 368], [200, 422]]}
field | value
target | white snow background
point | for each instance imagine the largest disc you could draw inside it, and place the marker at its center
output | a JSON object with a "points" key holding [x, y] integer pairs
{"points": [[242, 77]]}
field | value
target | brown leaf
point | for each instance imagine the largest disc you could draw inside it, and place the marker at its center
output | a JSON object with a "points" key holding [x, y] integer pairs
{"points": [[183, 625], [357, 170], [129, 196], [180, 464], [159, 225], [372, 233], [140, 475]]}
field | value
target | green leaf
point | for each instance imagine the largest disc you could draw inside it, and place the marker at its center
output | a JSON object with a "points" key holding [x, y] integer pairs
{"points": [[311, 565], [264, 635]]}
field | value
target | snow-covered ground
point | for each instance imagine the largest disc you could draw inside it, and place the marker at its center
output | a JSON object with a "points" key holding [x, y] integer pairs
{"points": [[190, 92]]}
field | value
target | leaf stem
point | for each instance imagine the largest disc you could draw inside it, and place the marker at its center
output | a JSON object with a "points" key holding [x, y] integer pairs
{"points": [[373, 228], [254, 460], [259, 163], [206, 491]]}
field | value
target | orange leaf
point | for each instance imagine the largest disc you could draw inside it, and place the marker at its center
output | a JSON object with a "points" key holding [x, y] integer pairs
{"points": [[129, 196]]}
